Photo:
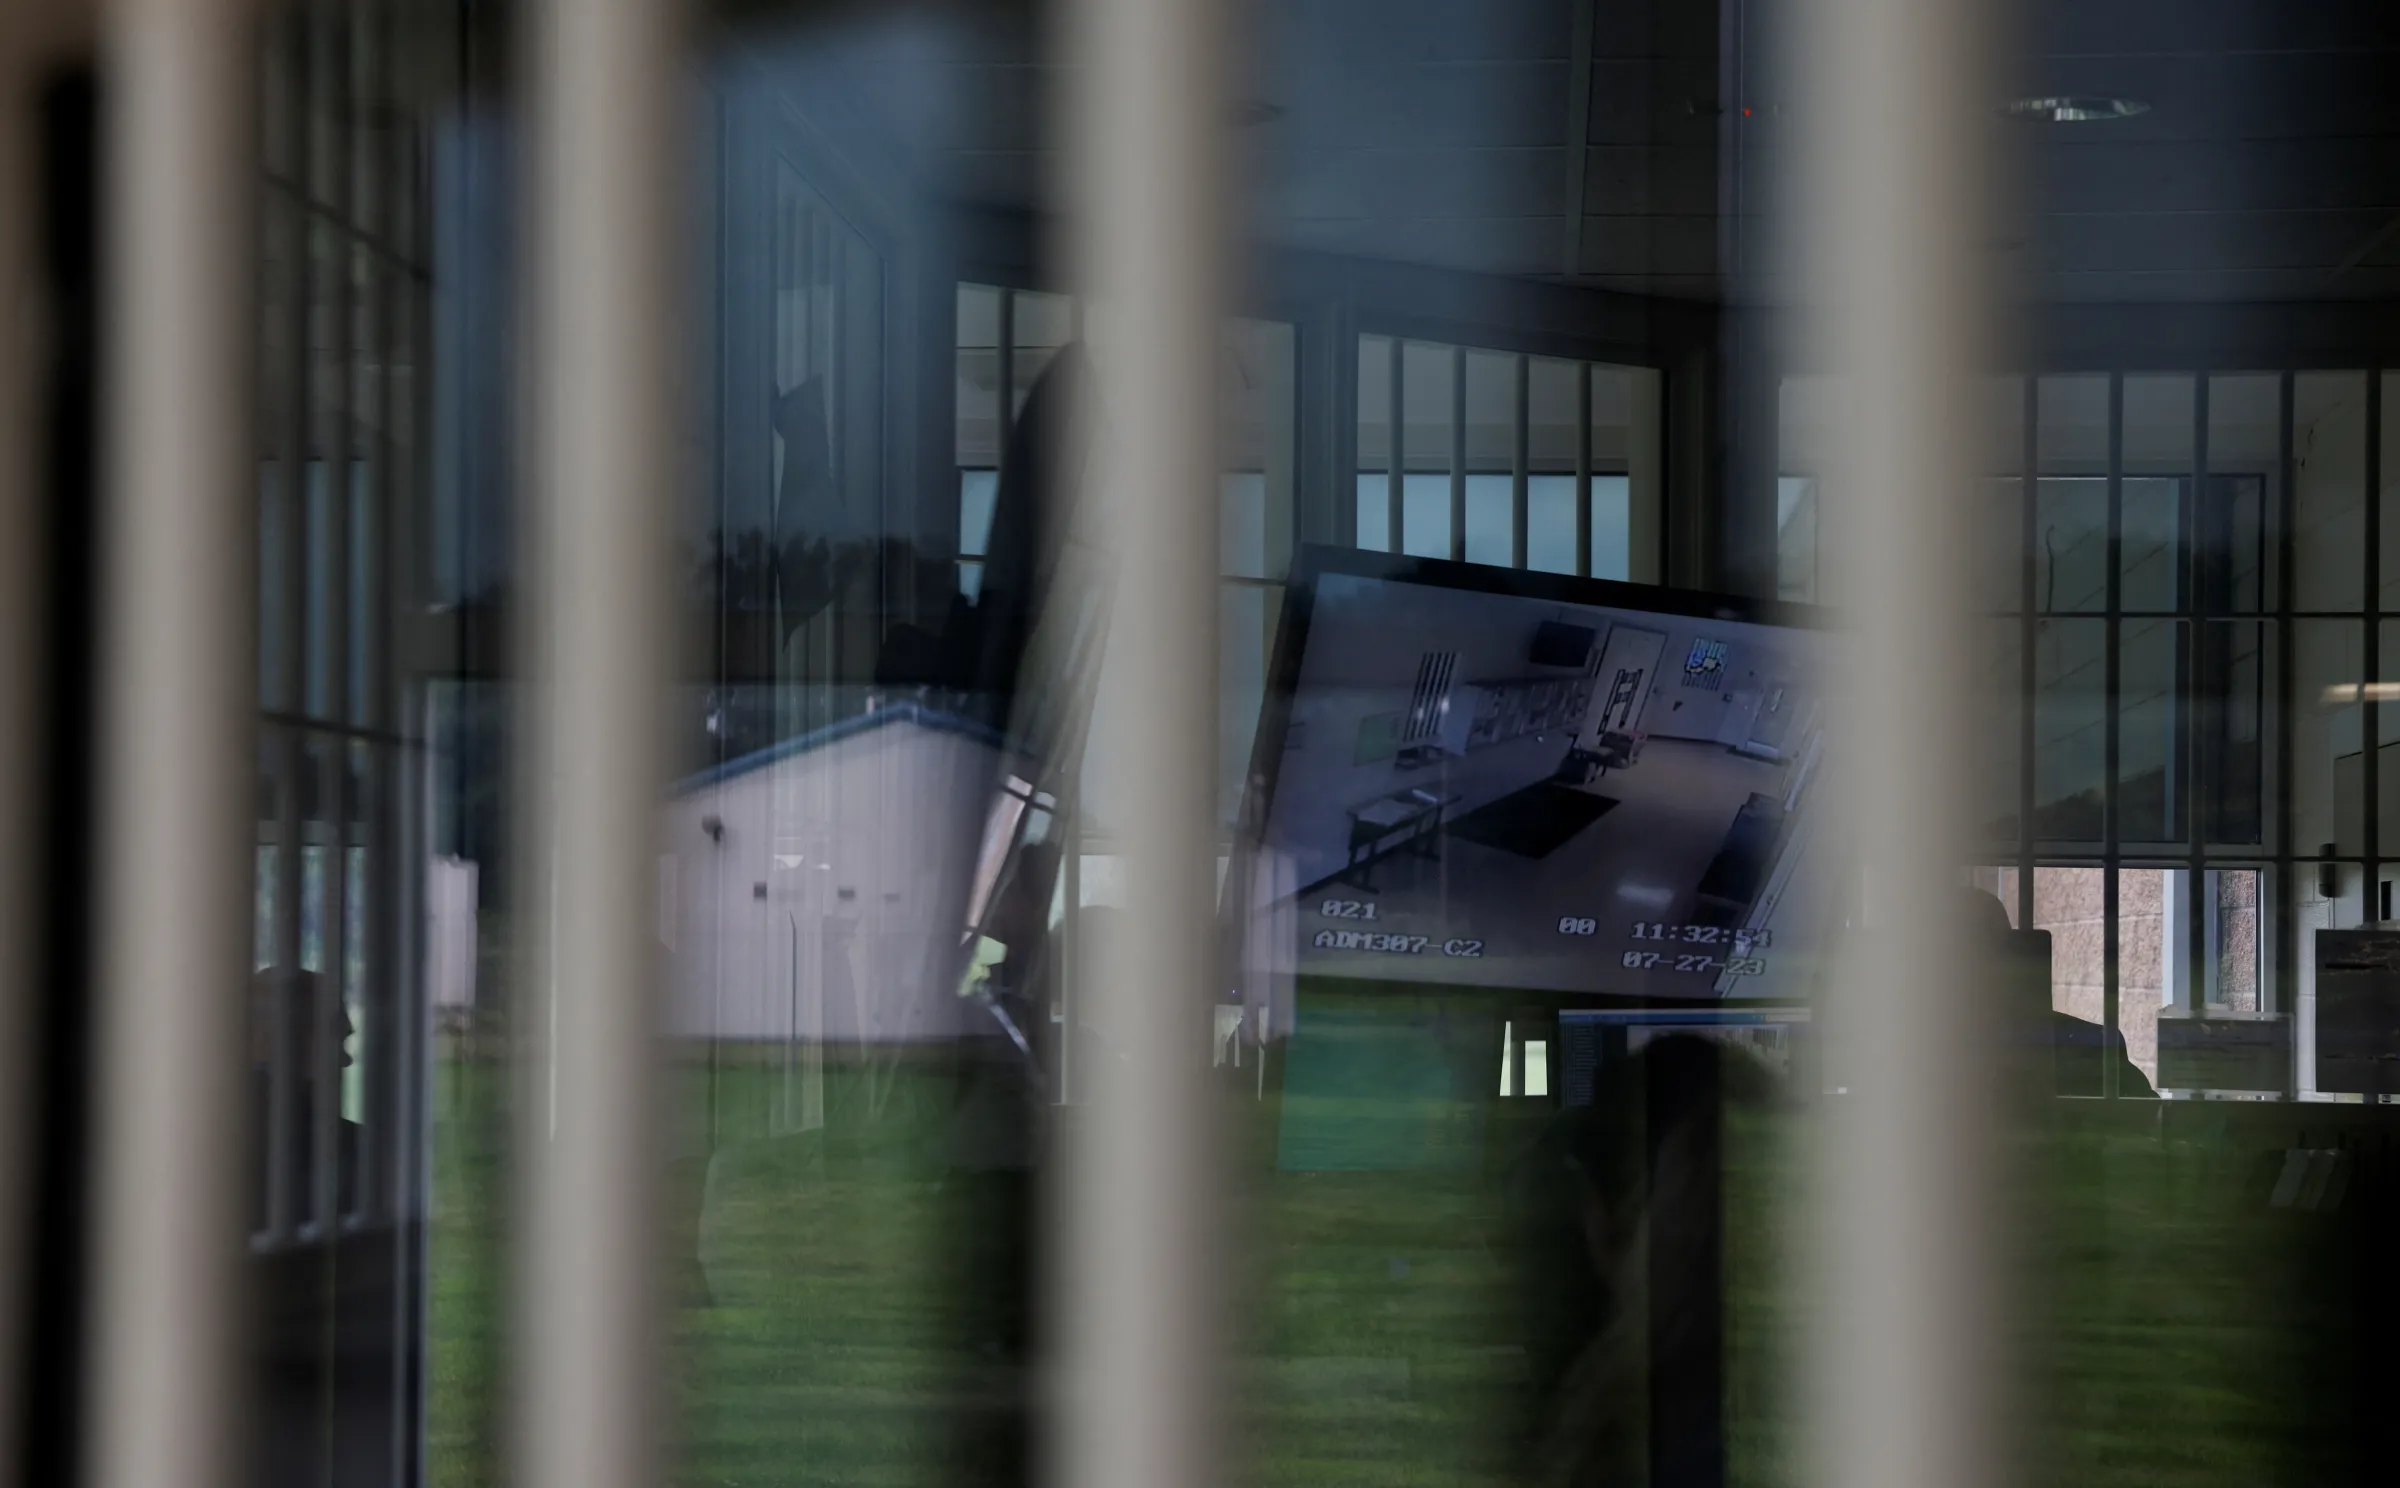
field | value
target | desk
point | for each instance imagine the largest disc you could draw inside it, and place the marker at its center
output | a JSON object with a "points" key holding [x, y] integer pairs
{"points": [[1611, 751], [1406, 819]]}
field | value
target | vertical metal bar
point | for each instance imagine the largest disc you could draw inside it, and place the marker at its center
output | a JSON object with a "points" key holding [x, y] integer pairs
{"points": [[407, 1061], [1004, 403], [2370, 721], [2287, 889], [333, 794], [2028, 640], [1139, 1324], [380, 1027], [1327, 505], [1645, 481], [21, 605], [2201, 717], [609, 163], [284, 614], [1520, 462], [2111, 728], [1458, 453], [178, 701], [1396, 477], [1070, 968], [1583, 468], [1903, 1363]]}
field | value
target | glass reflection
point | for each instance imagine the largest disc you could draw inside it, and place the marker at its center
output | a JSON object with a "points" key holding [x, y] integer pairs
{"points": [[1510, 296]]}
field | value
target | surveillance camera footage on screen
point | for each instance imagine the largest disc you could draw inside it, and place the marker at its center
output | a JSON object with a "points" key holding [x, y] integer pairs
{"points": [[1510, 789]]}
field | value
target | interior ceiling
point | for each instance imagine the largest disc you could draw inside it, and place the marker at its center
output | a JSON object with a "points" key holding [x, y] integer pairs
{"points": [[1450, 133]]}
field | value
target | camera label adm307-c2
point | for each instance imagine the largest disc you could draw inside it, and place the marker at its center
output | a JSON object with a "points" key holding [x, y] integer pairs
{"points": [[1393, 944]]}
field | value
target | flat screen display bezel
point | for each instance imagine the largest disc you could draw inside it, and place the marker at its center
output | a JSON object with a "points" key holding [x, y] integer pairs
{"points": [[1315, 562]]}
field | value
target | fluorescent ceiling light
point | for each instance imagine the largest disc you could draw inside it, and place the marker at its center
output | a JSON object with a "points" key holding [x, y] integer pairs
{"points": [[2080, 110], [2343, 694]]}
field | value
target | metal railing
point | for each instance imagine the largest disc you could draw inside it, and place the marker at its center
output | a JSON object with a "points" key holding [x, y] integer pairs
{"points": [[20, 593], [1907, 1297], [179, 661]]}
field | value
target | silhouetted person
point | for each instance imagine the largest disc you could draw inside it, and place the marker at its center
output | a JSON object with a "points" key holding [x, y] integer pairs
{"points": [[306, 1323], [294, 1149], [2077, 1050], [1616, 1237]]}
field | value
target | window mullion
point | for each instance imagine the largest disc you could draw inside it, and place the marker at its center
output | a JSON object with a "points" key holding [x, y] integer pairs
{"points": [[1583, 468], [1521, 457], [2113, 672], [1458, 454]]}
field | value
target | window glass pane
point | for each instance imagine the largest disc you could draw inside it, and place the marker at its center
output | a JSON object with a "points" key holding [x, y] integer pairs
{"points": [[321, 563], [1044, 323], [1425, 516], [1427, 373], [1552, 421], [1550, 523], [2072, 904], [978, 376], [1806, 414], [1246, 616], [1796, 538], [2232, 685], [1612, 529], [2229, 538], [1491, 524], [2387, 752], [2071, 503], [366, 593], [275, 624], [2151, 547], [2152, 773], [2158, 450], [2158, 422], [977, 491], [1491, 412], [2329, 452], [354, 983], [2235, 937], [2072, 432], [1260, 402], [312, 907], [2245, 481], [1374, 397], [1374, 511], [1629, 442], [2153, 956], [1614, 406], [2069, 740], [264, 933], [2182, 947], [2328, 774], [970, 580], [2388, 577], [2070, 565]]}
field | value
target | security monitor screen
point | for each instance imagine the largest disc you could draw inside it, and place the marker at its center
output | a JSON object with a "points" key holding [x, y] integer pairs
{"points": [[1514, 791]]}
